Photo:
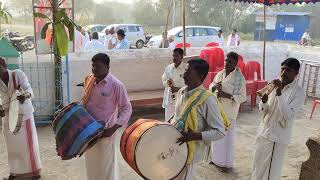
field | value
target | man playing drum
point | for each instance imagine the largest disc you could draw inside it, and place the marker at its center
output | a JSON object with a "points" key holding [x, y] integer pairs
{"points": [[22, 147], [106, 99], [199, 116], [172, 80]]}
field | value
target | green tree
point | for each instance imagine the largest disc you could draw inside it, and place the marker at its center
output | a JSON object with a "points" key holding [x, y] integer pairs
{"points": [[4, 14]]}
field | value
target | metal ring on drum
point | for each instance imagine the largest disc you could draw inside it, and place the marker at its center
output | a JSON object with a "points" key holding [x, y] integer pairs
{"points": [[152, 151], [15, 118]]}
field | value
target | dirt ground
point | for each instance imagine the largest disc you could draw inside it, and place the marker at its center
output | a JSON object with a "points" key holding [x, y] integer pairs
{"points": [[56, 169]]}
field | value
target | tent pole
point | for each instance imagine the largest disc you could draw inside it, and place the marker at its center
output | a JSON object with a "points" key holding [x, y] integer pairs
{"points": [[184, 25], [264, 43]]}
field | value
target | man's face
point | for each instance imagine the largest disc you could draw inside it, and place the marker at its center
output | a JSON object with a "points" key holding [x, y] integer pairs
{"points": [[177, 58], [3, 68], [288, 74], [233, 32], [191, 77], [99, 69], [230, 63], [219, 33], [107, 31], [119, 37]]}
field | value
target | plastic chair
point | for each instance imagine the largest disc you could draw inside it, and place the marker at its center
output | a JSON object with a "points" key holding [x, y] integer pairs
{"points": [[208, 80], [314, 104], [206, 55], [212, 44], [240, 58], [180, 45], [217, 58]]}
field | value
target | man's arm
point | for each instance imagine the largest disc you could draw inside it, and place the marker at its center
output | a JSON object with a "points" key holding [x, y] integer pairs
{"points": [[289, 110], [124, 106], [24, 83]]}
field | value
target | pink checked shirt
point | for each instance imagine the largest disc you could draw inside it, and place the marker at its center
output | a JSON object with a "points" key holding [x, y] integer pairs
{"points": [[109, 102]]}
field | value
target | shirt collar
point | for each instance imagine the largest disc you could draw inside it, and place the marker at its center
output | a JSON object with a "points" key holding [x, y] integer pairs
{"points": [[105, 79]]}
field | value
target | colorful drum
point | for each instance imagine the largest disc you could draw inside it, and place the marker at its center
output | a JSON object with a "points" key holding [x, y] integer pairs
{"points": [[150, 148], [76, 131]]}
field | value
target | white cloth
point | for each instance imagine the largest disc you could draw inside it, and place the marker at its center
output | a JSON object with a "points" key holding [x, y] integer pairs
{"points": [[94, 46], [279, 112], [171, 72], [233, 40], [78, 42], [210, 123], [221, 41], [101, 161], [222, 151], [110, 41], [172, 45], [228, 85], [306, 36], [268, 159], [86, 39], [169, 112]]}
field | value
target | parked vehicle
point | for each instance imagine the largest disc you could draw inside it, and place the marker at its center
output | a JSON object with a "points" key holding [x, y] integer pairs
{"points": [[197, 36], [95, 28], [21, 43], [134, 33]]}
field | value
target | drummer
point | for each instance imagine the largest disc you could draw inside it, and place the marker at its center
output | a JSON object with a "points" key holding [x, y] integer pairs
{"points": [[106, 99], [22, 147], [198, 115]]}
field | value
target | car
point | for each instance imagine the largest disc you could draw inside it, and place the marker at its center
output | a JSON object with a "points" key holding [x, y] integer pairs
{"points": [[197, 36], [134, 33], [95, 27]]}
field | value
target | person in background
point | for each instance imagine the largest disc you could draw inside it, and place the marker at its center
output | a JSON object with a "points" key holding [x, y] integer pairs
{"points": [[172, 81], [172, 43], [220, 38], [233, 39], [164, 42], [106, 38], [306, 38], [79, 40], [113, 39], [123, 42], [94, 45]]}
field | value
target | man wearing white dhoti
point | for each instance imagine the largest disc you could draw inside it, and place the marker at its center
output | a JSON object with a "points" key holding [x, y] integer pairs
{"points": [[106, 99], [22, 147], [172, 80], [198, 116], [230, 86], [278, 112]]}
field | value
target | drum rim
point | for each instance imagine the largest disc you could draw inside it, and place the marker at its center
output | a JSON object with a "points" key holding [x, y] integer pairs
{"points": [[19, 120], [62, 111], [135, 148]]}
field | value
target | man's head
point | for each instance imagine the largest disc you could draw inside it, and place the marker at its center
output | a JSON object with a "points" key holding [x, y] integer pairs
{"points": [[107, 31], [120, 34], [234, 31], [111, 30], [196, 72], [95, 35], [177, 56], [220, 33], [100, 65], [3, 65], [289, 70], [231, 61]]}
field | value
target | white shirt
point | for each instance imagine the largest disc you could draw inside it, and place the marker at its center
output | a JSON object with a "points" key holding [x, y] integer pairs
{"points": [[176, 74], [110, 38], [94, 46], [78, 42], [306, 35], [230, 107], [221, 40], [7, 91], [172, 45], [279, 113], [86, 39], [233, 40]]}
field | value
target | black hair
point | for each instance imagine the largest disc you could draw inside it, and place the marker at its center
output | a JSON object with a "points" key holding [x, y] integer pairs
{"points": [[292, 63], [235, 30], [179, 51], [102, 57], [233, 55], [200, 66], [3, 62], [121, 33], [95, 35], [220, 31]]}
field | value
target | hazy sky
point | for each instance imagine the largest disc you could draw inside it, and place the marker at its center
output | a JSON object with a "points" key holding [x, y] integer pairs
{"points": [[123, 1]]}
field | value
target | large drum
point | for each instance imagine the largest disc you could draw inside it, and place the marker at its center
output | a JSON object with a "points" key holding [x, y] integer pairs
{"points": [[150, 148], [76, 131]]}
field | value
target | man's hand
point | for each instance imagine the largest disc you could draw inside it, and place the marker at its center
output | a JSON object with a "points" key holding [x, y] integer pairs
{"points": [[170, 83], [278, 84], [188, 136], [23, 97], [264, 98], [174, 89], [108, 132], [222, 94], [2, 112], [217, 86]]}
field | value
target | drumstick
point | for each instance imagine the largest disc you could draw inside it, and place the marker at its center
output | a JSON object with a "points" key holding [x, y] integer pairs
{"points": [[12, 100]]}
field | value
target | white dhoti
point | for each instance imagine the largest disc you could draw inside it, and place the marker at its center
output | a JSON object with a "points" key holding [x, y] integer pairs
{"points": [[101, 161], [169, 112], [222, 151], [268, 159], [187, 173], [23, 148]]}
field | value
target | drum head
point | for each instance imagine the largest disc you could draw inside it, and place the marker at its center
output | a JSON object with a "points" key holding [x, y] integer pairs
{"points": [[157, 154], [14, 113]]}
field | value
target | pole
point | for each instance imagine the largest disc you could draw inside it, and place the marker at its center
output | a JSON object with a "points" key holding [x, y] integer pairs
{"points": [[184, 25], [174, 14], [264, 43]]}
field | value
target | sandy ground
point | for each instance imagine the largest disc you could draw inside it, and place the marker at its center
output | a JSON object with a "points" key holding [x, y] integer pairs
{"points": [[56, 169]]}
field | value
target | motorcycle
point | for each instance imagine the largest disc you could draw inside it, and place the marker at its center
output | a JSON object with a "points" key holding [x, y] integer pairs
{"points": [[22, 44]]}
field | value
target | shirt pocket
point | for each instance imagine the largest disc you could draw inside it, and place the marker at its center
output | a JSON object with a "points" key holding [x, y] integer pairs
{"points": [[104, 98]]}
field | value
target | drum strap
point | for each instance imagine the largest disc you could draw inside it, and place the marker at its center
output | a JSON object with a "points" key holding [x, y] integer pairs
{"points": [[15, 83]]}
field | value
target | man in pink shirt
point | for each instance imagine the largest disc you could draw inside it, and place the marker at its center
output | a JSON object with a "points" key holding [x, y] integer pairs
{"points": [[107, 101]]}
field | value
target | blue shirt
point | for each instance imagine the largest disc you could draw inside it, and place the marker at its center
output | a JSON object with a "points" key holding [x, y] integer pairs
{"points": [[123, 44]]}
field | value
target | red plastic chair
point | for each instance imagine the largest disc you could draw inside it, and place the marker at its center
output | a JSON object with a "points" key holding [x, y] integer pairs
{"points": [[208, 80], [218, 58], [212, 44], [206, 55], [240, 58], [314, 104], [180, 45]]}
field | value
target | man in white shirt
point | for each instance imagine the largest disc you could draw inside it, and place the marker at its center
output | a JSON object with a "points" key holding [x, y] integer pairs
{"points": [[233, 39], [94, 45], [112, 39], [306, 38], [278, 113], [220, 38], [172, 43], [78, 41], [172, 80], [123, 42], [230, 86]]}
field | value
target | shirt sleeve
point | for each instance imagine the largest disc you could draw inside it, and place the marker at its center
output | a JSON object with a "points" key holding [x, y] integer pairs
{"points": [[165, 77], [289, 110], [124, 106], [24, 82], [242, 97], [215, 130]]}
